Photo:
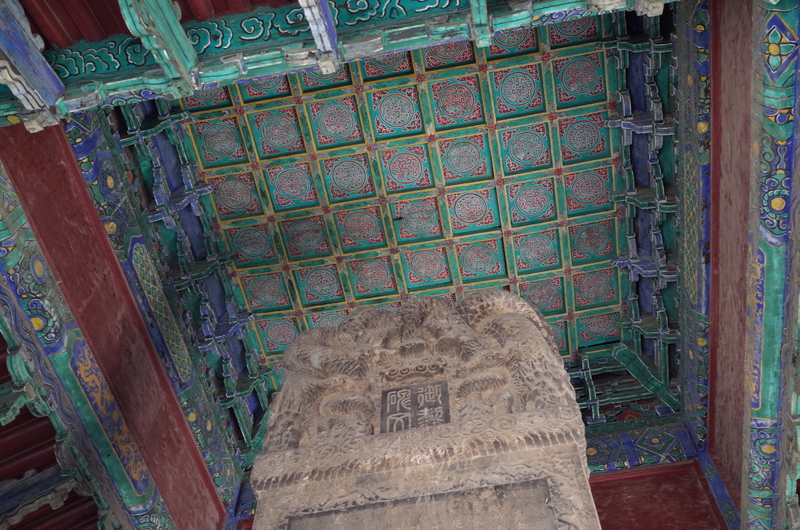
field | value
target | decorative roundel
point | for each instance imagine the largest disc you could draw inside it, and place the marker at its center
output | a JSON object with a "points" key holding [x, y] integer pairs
{"points": [[470, 208], [574, 27], [221, 139], [599, 325], [281, 332], [542, 294], [588, 188], [38, 269], [592, 239], [388, 61], [279, 131], [462, 157], [265, 290], [336, 121], [582, 136], [396, 110], [406, 168], [305, 235], [349, 176], [595, 286], [457, 101], [292, 183], [532, 200], [518, 88], [537, 249], [478, 258], [526, 147], [449, 50], [579, 76], [329, 320], [251, 242], [208, 95], [373, 273], [360, 226], [511, 38], [266, 83], [322, 282], [316, 73], [234, 194], [418, 217], [427, 264]]}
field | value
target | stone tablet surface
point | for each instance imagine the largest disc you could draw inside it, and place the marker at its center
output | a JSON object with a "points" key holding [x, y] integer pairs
{"points": [[438, 415], [522, 506]]}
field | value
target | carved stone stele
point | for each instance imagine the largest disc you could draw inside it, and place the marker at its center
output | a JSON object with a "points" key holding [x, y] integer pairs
{"points": [[439, 415]]}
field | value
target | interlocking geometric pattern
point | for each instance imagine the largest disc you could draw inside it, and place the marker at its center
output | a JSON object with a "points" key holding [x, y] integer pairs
{"points": [[429, 172]]}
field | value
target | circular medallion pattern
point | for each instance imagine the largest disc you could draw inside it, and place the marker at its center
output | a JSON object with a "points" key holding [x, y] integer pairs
{"points": [[449, 50], [582, 136], [336, 121], [234, 194], [470, 208], [221, 139], [418, 217], [591, 239], [595, 286], [427, 264], [251, 242], [511, 38], [542, 295], [279, 131], [526, 147], [266, 291], [457, 101], [305, 235], [579, 77], [329, 320], [599, 325], [322, 282], [588, 188], [349, 176], [396, 110], [360, 226], [373, 274], [574, 27], [293, 183], [266, 83], [533, 200], [406, 168], [537, 249], [462, 157], [478, 258], [208, 95], [388, 61], [518, 88], [280, 332]]}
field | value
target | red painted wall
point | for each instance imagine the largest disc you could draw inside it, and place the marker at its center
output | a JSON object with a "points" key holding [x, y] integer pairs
{"points": [[46, 176], [731, 57], [673, 496]]}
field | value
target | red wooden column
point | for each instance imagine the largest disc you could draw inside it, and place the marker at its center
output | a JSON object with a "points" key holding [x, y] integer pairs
{"points": [[52, 192]]}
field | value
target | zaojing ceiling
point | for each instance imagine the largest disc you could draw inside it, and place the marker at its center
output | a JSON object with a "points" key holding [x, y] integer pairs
{"points": [[434, 172]]}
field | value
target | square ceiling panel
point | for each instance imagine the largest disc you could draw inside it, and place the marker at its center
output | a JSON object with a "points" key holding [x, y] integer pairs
{"points": [[424, 172]]}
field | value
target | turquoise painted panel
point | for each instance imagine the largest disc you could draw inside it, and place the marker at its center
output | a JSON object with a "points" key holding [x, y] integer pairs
{"points": [[395, 112], [372, 277], [253, 246], [276, 132], [266, 292], [360, 229], [386, 66], [575, 31], [532, 202], [473, 211], [348, 178], [596, 288], [313, 79], [466, 159], [518, 91], [583, 138], [277, 334], [291, 187], [265, 88], [589, 191], [305, 238], [426, 268], [513, 42], [546, 295], [448, 55], [580, 80], [537, 252], [219, 142], [209, 99], [526, 148], [482, 260], [592, 242], [597, 329], [456, 102], [319, 285], [326, 320], [236, 197], [416, 220], [335, 122], [406, 168]]}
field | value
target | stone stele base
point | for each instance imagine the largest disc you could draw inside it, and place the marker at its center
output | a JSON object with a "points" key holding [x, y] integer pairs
{"points": [[440, 415]]}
